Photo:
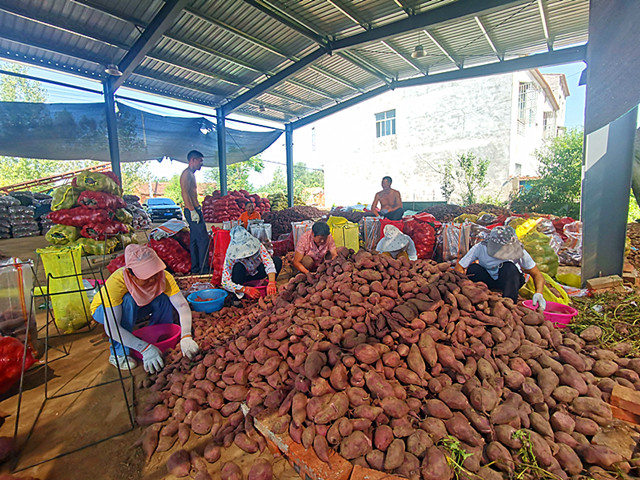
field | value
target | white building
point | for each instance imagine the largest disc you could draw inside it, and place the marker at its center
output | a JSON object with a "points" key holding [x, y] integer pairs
{"points": [[410, 133]]}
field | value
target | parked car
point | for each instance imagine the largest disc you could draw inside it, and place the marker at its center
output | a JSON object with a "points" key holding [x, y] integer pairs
{"points": [[161, 209]]}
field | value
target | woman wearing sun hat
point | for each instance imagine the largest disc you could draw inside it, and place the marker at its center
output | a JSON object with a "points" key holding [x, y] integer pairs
{"points": [[248, 260], [141, 288], [501, 260], [397, 244]]}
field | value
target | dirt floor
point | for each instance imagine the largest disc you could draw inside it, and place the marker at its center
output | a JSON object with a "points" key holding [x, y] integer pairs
{"points": [[74, 420]]}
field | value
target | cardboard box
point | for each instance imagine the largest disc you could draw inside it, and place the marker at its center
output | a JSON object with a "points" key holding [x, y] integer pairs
{"points": [[626, 399], [605, 283], [303, 461]]}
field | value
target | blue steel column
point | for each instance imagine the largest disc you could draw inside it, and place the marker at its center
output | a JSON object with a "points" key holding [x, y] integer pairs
{"points": [[606, 183], [112, 127], [288, 134], [221, 131]]}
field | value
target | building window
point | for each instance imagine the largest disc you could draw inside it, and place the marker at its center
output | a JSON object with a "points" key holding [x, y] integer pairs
{"points": [[313, 139], [549, 124], [518, 170], [386, 123], [527, 102]]}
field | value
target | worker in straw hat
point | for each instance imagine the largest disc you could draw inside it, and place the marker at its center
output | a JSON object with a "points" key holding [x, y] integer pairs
{"points": [[247, 261], [501, 261], [141, 288], [396, 244]]}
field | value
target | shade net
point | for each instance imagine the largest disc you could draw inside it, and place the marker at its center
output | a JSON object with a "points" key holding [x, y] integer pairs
{"points": [[78, 131]]}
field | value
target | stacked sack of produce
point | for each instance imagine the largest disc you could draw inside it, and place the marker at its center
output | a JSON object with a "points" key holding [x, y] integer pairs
{"points": [[278, 201], [23, 221], [217, 209], [6, 201], [281, 221], [91, 212], [422, 230], [141, 219]]}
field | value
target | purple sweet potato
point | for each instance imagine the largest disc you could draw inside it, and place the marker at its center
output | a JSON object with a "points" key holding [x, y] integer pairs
{"points": [[500, 456], [568, 459], [366, 353], [157, 414], [202, 422], [453, 398], [383, 437], [562, 422], [261, 470], [321, 447], [355, 445], [230, 471], [245, 443], [375, 459], [483, 399], [418, 442], [179, 463], [235, 393], [435, 466], [459, 427], [338, 377], [437, 408], [394, 455], [599, 455], [377, 385], [212, 452], [313, 364]]}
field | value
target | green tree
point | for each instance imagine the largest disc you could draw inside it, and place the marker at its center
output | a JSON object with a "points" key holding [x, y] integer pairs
{"points": [[467, 174], [134, 175], [557, 192], [173, 190], [303, 178], [237, 174]]}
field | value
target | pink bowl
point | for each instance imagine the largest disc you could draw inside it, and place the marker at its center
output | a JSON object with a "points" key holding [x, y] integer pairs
{"points": [[558, 314], [164, 336], [259, 285]]}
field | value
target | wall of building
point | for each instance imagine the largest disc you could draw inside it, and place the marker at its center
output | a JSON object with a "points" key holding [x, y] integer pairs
{"points": [[434, 123]]}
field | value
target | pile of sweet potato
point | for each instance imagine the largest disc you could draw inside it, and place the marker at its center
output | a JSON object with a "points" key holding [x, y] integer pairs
{"points": [[382, 359]]}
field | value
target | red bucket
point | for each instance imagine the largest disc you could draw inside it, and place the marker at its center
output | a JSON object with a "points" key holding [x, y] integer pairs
{"points": [[558, 314]]}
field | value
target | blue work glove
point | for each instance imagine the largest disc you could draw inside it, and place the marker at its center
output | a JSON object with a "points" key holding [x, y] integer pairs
{"points": [[539, 302], [152, 359]]}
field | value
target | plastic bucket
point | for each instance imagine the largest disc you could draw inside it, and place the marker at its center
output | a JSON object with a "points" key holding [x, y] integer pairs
{"points": [[164, 336], [558, 314], [259, 285], [207, 301]]}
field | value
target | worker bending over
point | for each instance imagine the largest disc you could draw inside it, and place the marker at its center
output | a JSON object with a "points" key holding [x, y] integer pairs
{"points": [[396, 244], [314, 247]]}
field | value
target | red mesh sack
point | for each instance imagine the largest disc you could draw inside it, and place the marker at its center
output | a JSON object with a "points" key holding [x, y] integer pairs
{"points": [[11, 353]]}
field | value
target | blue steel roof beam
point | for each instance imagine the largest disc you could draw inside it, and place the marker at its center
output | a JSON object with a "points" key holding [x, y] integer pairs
{"points": [[68, 52], [350, 13], [488, 38], [404, 57], [368, 67], [557, 57], [456, 61], [192, 68], [290, 20], [162, 22], [545, 24], [435, 16], [404, 5], [292, 99], [61, 24]]}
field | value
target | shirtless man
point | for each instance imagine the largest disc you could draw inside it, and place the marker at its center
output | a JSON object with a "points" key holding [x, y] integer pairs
{"points": [[193, 214], [390, 201]]}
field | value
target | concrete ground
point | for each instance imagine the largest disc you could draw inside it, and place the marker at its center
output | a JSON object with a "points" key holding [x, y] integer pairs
{"points": [[90, 415]]}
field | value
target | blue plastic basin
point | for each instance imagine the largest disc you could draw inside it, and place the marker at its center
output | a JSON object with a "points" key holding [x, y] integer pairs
{"points": [[214, 300]]}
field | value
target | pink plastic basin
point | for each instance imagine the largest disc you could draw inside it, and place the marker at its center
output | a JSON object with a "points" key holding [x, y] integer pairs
{"points": [[558, 314], [259, 285], [164, 336]]}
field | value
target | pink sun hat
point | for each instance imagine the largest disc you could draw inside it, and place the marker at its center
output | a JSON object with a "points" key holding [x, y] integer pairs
{"points": [[143, 261]]}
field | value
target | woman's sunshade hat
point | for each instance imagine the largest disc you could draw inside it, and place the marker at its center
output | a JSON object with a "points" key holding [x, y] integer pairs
{"points": [[393, 239], [503, 243], [242, 244], [143, 261]]}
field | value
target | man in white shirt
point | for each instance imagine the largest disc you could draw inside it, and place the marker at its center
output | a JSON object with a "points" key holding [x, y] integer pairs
{"points": [[502, 260]]}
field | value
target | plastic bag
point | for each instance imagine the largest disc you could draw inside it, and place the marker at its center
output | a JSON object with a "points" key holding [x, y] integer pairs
{"points": [[571, 251], [102, 230], [217, 253], [97, 182], [262, 231], [466, 217], [16, 308], [65, 196], [423, 236], [299, 229], [552, 292], [70, 310], [537, 245], [372, 232], [80, 216], [11, 356], [96, 247], [453, 241], [116, 263], [485, 219], [100, 200], [177, 259], [477, 234], [123, 215], [62, 234]]}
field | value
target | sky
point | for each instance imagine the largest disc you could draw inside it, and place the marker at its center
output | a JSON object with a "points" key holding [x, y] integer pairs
{"points": [[274, 156]]}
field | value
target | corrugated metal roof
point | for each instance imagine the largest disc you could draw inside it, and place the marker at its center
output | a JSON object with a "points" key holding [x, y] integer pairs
{"points": [[215, 51]]}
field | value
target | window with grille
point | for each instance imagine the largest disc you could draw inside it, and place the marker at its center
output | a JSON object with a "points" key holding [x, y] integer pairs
{"points": [[527, 103], [386, 123], [518, 169], [549, 124]]}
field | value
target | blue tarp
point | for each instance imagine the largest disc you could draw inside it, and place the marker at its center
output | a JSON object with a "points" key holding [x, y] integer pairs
{"points": [[78, 131]]}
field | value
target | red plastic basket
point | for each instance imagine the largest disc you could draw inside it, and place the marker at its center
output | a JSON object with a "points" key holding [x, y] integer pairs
{"points": [[558, 314]]}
